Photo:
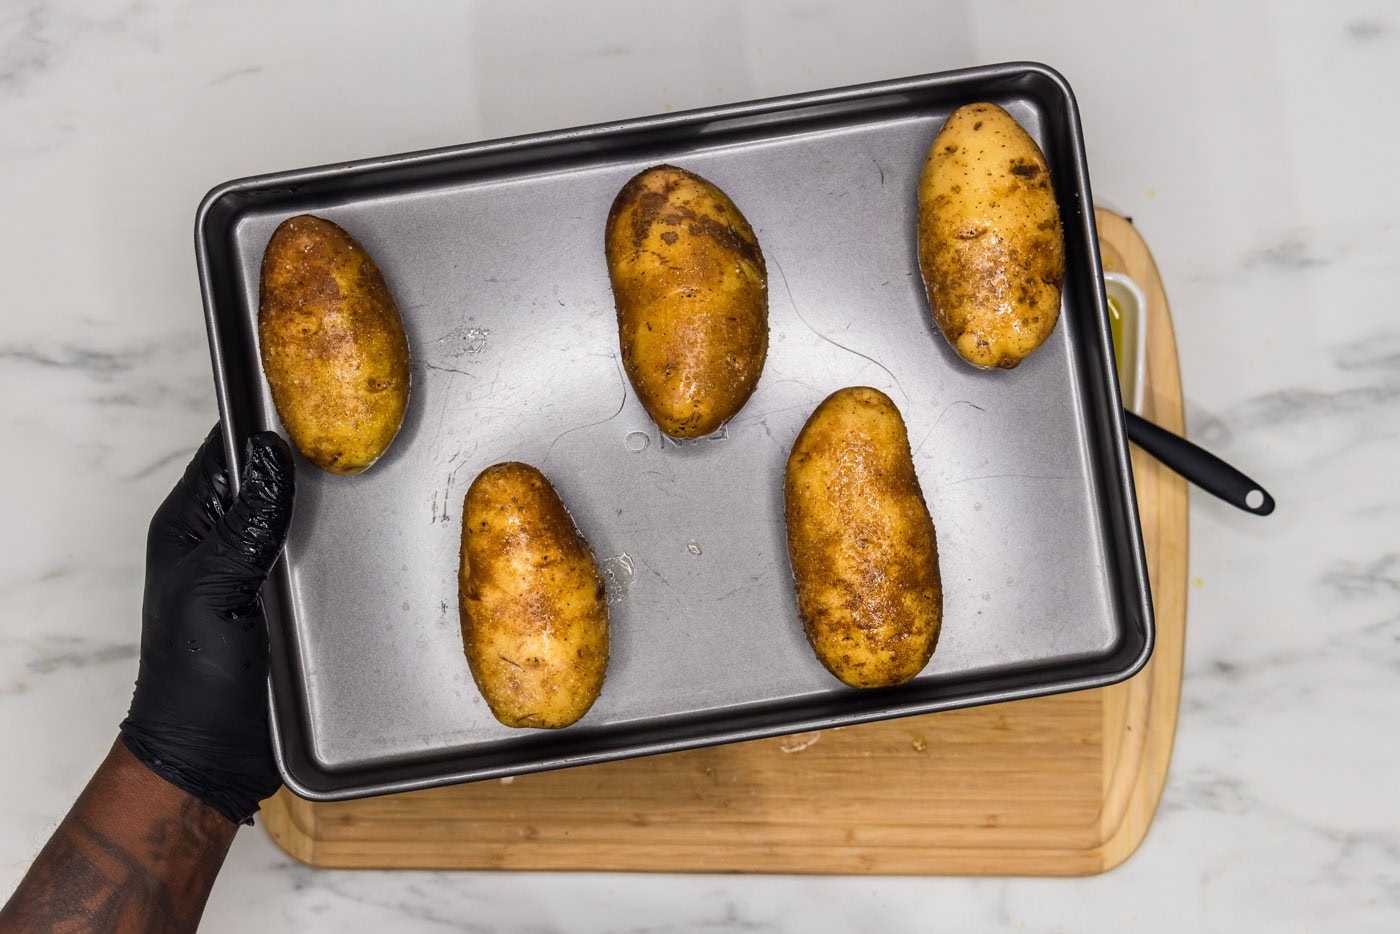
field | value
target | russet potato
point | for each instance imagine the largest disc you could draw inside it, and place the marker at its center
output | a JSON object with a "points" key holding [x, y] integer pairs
{"points": [[533, 608], [691, 290], [861, 542], [991, 247], [332, 344]]}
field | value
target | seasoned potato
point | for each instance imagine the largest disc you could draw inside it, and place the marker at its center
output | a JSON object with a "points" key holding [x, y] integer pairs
{"points": [[333, 345], [991, 248], [534, 612], [692, 299], [861, 541]]}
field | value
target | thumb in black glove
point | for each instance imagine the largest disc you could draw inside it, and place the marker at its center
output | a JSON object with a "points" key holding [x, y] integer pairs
{"points": [[198, 717]]}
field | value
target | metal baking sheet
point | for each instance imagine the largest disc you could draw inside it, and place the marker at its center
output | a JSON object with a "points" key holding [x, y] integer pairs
{"points": [[495, 254]]}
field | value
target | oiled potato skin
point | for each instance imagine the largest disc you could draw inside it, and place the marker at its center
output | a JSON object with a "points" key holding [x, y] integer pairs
{"points": [[861, 542], [991, 247], [692, 299], [333, 345], [533, 608]]}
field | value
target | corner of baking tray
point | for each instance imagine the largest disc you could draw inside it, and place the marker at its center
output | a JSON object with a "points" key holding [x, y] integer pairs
{"points": [[1149, 642], [293, 782], [1048, 71], [208, 204], [296, 787], [201, 243], [213, 196]]}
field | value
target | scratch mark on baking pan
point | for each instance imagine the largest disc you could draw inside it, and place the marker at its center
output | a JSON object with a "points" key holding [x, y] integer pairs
{"points": [[661, 577], [442, 414], [622, 404], [747, 586], [953, 405], [928, 434], [842, 346], [939, 419], [442, 509], [448, 369], [760, 419]]}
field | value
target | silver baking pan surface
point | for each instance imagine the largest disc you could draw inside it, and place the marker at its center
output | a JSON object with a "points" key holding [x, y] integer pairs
{"points": [[494, 252]]}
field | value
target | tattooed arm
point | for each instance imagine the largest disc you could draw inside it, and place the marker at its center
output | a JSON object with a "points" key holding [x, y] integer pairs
{"points": [[134, 854], [140, 848]]}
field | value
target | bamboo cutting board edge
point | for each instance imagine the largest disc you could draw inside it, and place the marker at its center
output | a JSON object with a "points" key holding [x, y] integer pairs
{"points": [[1164, 494], [1063, 785]]}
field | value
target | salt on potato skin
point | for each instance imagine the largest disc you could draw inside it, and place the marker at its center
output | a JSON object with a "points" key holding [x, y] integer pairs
{"points": [[534, 611], [991, 245], [332, 344], [691, 289], [861, 542]]}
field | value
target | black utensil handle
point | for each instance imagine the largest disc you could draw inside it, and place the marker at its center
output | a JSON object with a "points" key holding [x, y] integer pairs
{"points": [[1198, 465]]}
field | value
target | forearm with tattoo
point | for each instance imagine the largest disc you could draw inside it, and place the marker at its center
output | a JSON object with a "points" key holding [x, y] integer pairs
{"points": [[135, 853], [141, 847]]}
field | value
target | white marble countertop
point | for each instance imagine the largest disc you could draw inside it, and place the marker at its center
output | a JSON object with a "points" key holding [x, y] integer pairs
{"points": [[1250, 141]]}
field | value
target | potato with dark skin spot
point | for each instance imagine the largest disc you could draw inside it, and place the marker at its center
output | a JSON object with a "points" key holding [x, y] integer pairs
{"points": [[533, 608], [861, 542], [692, 299], [332, 344], [991, 248]]}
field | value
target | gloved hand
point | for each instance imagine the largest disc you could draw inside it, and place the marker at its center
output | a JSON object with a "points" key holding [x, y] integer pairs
{"points": [[198, 717]]}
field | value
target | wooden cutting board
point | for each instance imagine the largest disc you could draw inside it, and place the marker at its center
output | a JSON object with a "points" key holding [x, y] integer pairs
{"points": [[1063, 785]]}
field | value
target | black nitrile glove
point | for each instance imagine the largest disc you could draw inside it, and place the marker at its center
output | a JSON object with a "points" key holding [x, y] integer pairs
{"points": [[199, 715]]}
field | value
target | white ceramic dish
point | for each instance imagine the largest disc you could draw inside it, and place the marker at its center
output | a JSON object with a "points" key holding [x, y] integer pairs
{"points": [[1127, 299]]}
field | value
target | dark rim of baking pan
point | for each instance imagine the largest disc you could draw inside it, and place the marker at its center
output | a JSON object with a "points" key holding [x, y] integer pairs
{"points": [[225, 201]]}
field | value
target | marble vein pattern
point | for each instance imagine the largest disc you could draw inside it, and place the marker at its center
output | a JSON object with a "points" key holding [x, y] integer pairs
{"points": [[1249, 140]]}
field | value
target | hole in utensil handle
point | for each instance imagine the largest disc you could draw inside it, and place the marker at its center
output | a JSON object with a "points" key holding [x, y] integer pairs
{"points": [[1198, 465]]}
